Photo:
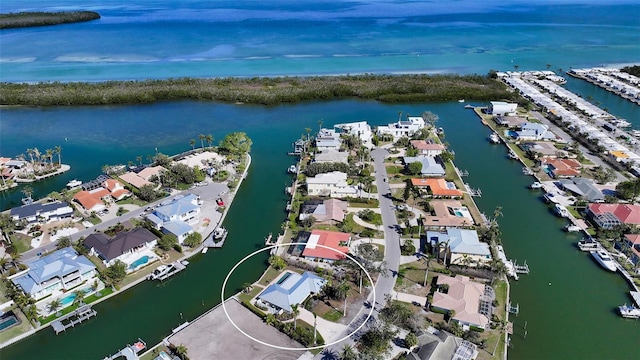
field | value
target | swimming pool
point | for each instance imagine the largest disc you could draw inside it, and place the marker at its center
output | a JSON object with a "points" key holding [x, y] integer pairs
{"points": [[8, 320], [143, 260], [458, 213], [283, 278], [67, 299]]}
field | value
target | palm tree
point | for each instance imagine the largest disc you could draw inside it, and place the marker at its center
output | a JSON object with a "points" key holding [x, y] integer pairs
{"points": [[181, 350], [270, 319], [209, 139], [348, 353], [54, 305], [320, 122], [36, 154], [27, 191], [49, 155], [202, 137], [342, 289], [192, 143], [428, 258], [308, 130], [516, 67], [295, 311], [58, 150], [247, 287], [79, 296]]}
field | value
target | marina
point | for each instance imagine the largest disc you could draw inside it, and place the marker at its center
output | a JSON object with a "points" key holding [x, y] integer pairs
{"points": [[613, 80]]}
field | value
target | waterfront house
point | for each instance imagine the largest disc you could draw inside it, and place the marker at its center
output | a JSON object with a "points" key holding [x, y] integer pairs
{"points": [[430, 166], [427, 148], [461, 246], [61, 270], [438, 187], [42, 212], [177, 216], [359, 129], [501, 108], [333, 246], [333, 184], [134, 180], [534, 131], [439, 344], [582, 187], [447, 213], [328, 139], [403, 128], [332, 156], [96, 194], [470, 300], [608, 216], [120, 247], [329, 211], [561, 168], [290, 289]]}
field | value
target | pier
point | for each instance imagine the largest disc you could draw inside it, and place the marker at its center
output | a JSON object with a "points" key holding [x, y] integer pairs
{"points": [[521, 269], [164, 272], [130, 352], [75, 317]]}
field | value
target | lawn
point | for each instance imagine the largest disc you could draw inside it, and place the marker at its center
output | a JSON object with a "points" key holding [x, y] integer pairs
{"points": [[412, 274], [132, 200], [332, 315], [572, 210], [94, 220], [149, 268], [21, 242], [248, 296], [269, 276], [16, 330]]}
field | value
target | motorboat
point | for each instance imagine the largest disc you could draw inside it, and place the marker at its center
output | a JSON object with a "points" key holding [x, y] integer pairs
{"points": [[527, 171], [461, 100], [219, 233], [536, 185], [292, 169], [572, 228], [159, 271], [604, 259], [561, 210], [512, 155], [551, 198], [27, 200], [494, 138], [629, 311], [588, 244], [74, 184]]}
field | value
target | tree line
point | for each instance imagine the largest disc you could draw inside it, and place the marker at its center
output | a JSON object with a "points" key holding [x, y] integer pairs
{"points": [[29, 19], [265, 91]]}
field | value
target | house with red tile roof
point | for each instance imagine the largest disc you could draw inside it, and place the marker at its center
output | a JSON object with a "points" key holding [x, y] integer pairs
{"points": [[561, 168], [327, 245], [633, 242], [470, 300], [608, 216], [134, 180], [96, 199], [438, 187], [427, 149]]}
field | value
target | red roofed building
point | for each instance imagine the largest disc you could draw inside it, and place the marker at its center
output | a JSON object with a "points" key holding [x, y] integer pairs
{"points": [[427, 149], [561, 168], [608, 216], [94, 200], [633, 242], [438, 187], [338, 241]]}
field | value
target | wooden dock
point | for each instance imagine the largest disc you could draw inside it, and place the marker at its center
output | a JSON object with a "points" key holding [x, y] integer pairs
{"points": [[75, 317], [521, 269]]}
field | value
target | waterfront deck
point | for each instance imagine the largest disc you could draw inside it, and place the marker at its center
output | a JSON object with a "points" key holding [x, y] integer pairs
{"points": [[72, 319], [174, 268], [130, 352]]}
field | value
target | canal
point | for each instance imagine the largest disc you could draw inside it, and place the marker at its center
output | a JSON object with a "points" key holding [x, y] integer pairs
{"points": [[567, 303]]}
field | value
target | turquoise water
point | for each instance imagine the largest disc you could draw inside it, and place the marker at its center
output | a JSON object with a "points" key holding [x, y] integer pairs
{"points": [[7, 321], [161, 39], [67, 299], [143, 260]]}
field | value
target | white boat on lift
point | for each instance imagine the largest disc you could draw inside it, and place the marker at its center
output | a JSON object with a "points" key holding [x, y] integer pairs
{"points": [[588, 244], [572, 228], [494, 138], [561, 210], [536, 185], [629, 311], [604, 259], [74, 184]]}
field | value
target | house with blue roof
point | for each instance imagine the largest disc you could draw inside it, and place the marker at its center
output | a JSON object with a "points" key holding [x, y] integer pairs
{"points": [[62, 270], [42, 212], [460, 246], [177, 216], [290, 289]]}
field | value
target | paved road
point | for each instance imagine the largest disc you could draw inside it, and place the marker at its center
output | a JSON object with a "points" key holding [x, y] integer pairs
{"points": [[385, 283]]}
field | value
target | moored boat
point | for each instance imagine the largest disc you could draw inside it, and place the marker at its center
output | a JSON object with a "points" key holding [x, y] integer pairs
{"points": [[588, 244], [74, 184], [561, 210], [572, 228], [292, 169], [604, 259], [512, 155], [629, 311], [159, 271], [494, 138], [536, 185], [219, 233], [551, 198]]}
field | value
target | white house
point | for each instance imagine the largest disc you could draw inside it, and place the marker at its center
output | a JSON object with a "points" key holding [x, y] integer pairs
{"points": [[402, 128], [177, 216], [501, 108], [534, 131], [62, 270], [464, 246], [42, 212], [328, 139], [427, 148], [333, 184], [430, 167], [332, 156], [361, 129]]}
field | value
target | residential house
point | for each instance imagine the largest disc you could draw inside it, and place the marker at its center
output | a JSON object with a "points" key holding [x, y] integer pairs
{"points": [[360, 129], [42, 212], [403, 128], [61, 270], [333, 184], [501, 108], [121, 246], [608, 216], [291, 289], [328, 139], [561, 168], [327, 246], [438, 187], [332, 156], [438, 344], [534, 131], [325, 211], [582, 187], [134, 180], [430, 167], [464, 246], [95, 195], [632, 241], [427, 148], [177, 216], [470, 300], [447, 213]]}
